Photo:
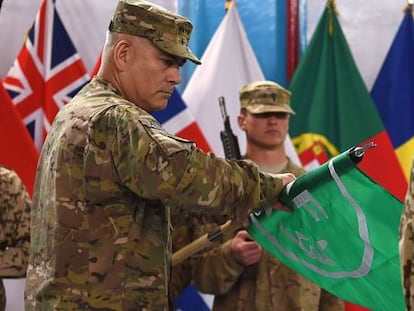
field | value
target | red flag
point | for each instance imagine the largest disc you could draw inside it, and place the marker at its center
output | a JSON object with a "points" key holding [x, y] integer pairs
{"points": [[95, 69], [17, 149], [47, 73], [292, 33]]}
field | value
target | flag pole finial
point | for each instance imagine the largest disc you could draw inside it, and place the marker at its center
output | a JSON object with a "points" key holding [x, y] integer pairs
{"points": [[409, 7], [332, 5], [331, 10], [227, 4]]}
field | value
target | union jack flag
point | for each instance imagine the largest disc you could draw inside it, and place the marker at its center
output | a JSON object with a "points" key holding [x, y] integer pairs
{"points": [[46, 74]]}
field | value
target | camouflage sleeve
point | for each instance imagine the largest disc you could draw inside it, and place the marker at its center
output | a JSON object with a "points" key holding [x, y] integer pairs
{"points": [[407, 244], [215, 270], [15, 205], [329, 302], [178, 173]]}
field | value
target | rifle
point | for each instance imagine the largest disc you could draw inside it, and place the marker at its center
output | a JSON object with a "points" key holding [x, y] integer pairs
{"points": [[228, 139], [231, 151]]}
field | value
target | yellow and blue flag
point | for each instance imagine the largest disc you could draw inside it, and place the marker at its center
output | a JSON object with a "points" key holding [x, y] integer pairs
{"points": [[393, 91]]}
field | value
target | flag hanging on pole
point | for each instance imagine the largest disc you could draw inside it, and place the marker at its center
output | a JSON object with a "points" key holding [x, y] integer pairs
{"points": [[342, 233], [334, 109], [17, 149], [227, 64], [46, 74], [393, 91], [277, 34]]}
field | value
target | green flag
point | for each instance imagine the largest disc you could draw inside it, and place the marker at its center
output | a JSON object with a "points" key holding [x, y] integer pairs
{"points": [[342, 234], [335, 111]]}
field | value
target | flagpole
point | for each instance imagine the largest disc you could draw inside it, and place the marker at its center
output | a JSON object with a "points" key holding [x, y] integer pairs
{"points": [[332, 10], [227, 4], [409, 7]]}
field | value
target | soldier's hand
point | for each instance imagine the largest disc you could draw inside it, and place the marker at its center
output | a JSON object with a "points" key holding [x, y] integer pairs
{"points": [[245, 249], [286, 178]]}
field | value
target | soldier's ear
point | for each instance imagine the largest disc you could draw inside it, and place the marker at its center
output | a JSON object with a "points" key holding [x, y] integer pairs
{"points": [[241, 121], [122, 52]]}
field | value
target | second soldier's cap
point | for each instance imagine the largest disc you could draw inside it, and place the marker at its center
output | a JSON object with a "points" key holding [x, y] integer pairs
{"points": [[167, 30], [265, 96]]}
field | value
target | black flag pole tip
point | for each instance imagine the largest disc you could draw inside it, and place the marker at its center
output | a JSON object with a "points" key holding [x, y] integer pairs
{"points": [[357, 153]]}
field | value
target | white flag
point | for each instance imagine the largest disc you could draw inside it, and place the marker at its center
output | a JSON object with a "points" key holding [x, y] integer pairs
{"points": [[228, 63]]}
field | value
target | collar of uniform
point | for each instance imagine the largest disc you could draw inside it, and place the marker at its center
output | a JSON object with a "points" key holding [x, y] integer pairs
{"points": [[106, 84]]}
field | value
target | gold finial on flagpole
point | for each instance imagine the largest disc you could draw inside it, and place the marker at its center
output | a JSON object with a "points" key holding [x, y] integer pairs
{"points": [[227, 5], [409, 7], [332, 5], [331, 10]]}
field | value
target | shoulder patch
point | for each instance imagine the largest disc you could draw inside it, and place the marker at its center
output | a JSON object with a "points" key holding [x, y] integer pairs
{"points": [[169, 143]]}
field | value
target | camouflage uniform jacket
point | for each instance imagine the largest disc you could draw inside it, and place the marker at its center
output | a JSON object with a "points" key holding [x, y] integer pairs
{"points": [[15, 207], [407, 244], [267, 285], [107, 177]]}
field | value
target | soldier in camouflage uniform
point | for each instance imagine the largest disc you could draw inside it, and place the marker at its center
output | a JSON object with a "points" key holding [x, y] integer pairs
{"points": [[240, 274], [15, 205], [407, 244], [108, 176]]}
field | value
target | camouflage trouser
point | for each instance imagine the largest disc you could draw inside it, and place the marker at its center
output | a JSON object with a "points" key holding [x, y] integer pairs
{"points": [[407, 244]]}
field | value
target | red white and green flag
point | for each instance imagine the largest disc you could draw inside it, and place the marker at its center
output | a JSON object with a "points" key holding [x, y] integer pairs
{"points": [[335, 111]]}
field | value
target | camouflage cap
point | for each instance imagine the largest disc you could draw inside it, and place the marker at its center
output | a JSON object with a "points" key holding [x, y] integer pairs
{"points": [[265, 96], [167, 30]]}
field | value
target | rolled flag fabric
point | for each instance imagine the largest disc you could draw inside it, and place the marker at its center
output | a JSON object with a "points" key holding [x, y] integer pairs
{"points": [[342, 233]]}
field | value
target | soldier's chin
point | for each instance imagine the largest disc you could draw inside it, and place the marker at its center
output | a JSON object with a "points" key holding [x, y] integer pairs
{"points": [[159, 105]]}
